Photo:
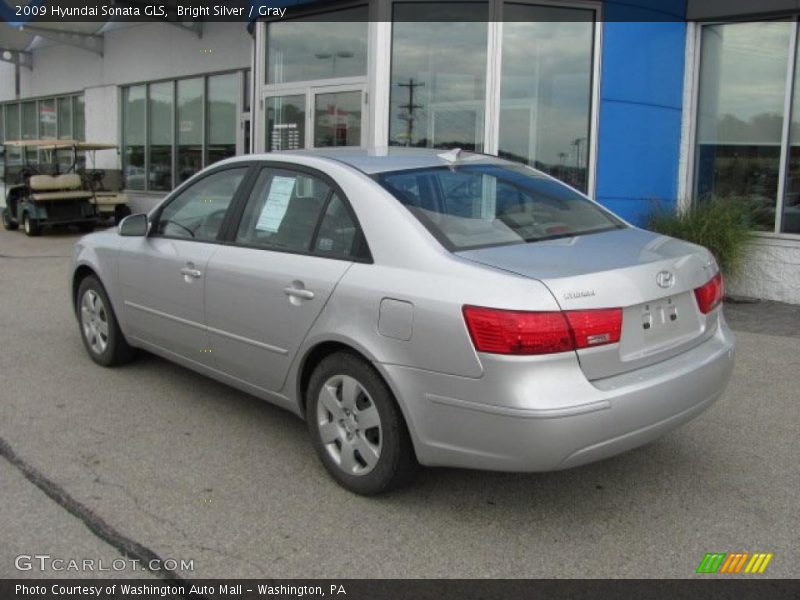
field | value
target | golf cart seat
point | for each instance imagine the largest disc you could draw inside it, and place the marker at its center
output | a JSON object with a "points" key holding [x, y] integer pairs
{"points": [[58, 187]]}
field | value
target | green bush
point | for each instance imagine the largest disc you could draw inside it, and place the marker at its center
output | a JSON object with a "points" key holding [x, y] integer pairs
{"points": [[723, 225]]}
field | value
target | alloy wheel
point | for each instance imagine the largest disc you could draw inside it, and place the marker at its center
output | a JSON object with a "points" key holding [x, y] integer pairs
{"points": [[349, 425], [94, 321]]}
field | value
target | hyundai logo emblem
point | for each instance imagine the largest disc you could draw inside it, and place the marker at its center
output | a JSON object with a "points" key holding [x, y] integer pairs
{"points": [[665, 279]]}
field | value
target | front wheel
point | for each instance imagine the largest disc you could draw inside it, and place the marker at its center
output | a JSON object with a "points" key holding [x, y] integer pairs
{"points": [[120, 212], [356, 426], [86, 227], [100, 331], [8, 224], [31, 226]]}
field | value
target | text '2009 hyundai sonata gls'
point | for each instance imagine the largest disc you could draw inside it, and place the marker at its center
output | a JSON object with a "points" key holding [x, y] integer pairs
{"points": [[415, 307]]}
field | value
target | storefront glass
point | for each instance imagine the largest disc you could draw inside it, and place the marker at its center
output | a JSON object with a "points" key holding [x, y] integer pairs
{"points": [[133, 101], [190, 127], [161, 108]]}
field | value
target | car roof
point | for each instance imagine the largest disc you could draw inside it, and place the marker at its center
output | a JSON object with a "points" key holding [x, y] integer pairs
{"points": [[381, 160]]}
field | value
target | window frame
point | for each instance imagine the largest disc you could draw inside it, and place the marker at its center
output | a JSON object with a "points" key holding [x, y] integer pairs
{"points": [[363, 254], [688, 180]]}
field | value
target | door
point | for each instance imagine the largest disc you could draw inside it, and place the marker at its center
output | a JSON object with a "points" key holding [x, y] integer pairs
{"points": [[315, 117], [295, 240], [162, 276]]}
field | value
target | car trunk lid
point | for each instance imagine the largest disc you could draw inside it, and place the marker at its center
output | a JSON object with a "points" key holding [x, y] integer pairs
{"points": [[651, 277]]}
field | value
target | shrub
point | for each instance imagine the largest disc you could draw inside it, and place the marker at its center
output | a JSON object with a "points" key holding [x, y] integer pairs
{"points": [[723, 225]]}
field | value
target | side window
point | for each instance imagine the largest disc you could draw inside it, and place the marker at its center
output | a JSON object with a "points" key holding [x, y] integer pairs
{"points": [[283, 211], [338, 234], [198, 211]]}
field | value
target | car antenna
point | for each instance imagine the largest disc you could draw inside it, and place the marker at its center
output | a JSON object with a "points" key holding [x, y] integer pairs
{"points": [[451, 156]]}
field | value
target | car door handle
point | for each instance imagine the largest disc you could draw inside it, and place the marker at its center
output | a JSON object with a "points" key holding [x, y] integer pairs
{"points": [[298, 293], [192, 272]]}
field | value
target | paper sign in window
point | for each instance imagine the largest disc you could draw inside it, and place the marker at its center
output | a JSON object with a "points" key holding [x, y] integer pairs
{"points": [[280, 192]]}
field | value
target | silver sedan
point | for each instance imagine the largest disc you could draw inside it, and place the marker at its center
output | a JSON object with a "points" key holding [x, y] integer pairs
{"points": [[415, 307]]}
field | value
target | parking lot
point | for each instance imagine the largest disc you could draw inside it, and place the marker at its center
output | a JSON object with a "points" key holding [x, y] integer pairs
{"points": [[189, 469]]}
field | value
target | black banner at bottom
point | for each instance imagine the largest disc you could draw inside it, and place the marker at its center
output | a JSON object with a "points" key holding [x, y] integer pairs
{"points": [[400, 589]]}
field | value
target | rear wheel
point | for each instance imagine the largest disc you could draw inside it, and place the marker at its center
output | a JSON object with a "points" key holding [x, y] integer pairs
{"points": [[356, 426], [31, 226], [100, 331], [8, 224], [120, 212]]}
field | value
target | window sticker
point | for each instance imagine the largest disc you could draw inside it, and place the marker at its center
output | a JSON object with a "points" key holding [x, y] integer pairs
{"points": [[280, 191]]}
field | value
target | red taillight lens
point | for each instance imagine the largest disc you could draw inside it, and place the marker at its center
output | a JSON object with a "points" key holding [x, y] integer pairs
{"points": [[523, 333], [595, 327], [709, 296]]}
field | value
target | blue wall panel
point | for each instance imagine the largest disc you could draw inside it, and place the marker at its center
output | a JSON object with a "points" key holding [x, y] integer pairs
{"points": [[641, 97]]}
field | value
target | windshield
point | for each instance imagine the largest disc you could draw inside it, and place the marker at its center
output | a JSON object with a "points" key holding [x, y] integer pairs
{"points": [[474, 206]]}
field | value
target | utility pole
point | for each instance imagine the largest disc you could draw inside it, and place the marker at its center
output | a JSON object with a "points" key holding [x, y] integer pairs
{"points": [[411, 107]]}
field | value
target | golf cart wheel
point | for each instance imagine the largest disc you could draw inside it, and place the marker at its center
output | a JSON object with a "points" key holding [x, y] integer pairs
{"points": [[8, 224], [120, 212], [31, 226]]}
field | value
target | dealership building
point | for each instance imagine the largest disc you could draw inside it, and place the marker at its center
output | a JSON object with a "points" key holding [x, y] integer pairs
{"points": [[641, 108]]}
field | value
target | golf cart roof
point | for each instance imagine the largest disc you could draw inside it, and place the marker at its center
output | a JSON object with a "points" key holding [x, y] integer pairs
{"points": [[80, 146], [44, 144]]}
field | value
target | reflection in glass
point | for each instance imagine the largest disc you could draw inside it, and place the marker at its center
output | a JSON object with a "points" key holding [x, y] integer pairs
{"points": [[740, 115], [13, 155], [65, 118], [545, 90], [160, 123], [337, 119], [78, 117], [190, 128], [303, 50], [222, 119], [438, 80], [30, 124], [47, 119], [286, 120], [790, 220], [133, 101]]}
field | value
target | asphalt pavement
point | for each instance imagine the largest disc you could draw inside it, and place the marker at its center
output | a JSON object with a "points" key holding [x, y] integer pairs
{"points": [[151, 457]]}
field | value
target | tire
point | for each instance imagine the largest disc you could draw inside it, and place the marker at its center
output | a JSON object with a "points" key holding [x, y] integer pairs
{"points": [[98, 326], [86, 227], [356, 426], [120, 212], [8, 224], [31, 226]]}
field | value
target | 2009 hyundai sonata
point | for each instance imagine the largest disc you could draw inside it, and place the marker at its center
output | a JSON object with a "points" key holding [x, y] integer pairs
{"points": [[415, 307]]}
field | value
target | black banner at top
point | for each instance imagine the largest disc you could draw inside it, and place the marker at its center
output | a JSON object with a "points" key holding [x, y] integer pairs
{"points": [[18, 13]]}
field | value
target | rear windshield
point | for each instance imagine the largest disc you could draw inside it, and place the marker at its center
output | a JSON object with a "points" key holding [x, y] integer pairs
{"points": [[475, 206]]}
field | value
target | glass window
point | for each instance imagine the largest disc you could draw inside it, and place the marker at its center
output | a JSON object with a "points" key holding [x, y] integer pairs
{"points": [[309, 48], [190, 127], [337, 119], [438, 80], [223, 93], [13, 155], [486, 205], [740, 115], [546, 89], [2, 124], [338, 234], [79, 117], [133, 103], [286, 122], [65, 118], [161, 108], [283, 210], [790, 220], [197, 212], [47, 119], [30, 126]]}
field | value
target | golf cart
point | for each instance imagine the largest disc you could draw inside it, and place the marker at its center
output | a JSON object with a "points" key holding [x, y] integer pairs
{"points": [[37, 199], [109, 203]]}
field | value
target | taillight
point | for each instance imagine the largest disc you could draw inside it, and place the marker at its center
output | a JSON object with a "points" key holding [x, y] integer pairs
{"points": [[499, 331], [709, 296]]}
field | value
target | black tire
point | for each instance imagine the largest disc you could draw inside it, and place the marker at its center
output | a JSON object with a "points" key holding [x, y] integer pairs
{"points": [[120, 212], [116, 350], [8, 224], [86, 227], [396, 463], [31, 226]]}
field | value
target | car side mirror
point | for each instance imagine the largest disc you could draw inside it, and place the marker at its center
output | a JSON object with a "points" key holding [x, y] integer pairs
{"points": [[134, 225]]}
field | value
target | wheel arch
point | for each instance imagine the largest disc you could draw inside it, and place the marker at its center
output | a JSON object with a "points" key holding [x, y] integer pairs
{"points": [[81, 272]]}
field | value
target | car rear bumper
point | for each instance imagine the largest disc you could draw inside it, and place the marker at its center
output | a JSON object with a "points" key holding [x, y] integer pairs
{"points": [[545, 415]]}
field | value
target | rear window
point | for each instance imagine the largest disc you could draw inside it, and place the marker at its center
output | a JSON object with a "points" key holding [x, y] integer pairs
{"points": [[475, 206]]}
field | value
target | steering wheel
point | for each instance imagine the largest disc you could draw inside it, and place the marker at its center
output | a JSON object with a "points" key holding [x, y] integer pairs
{"points": [[211, 224]]}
